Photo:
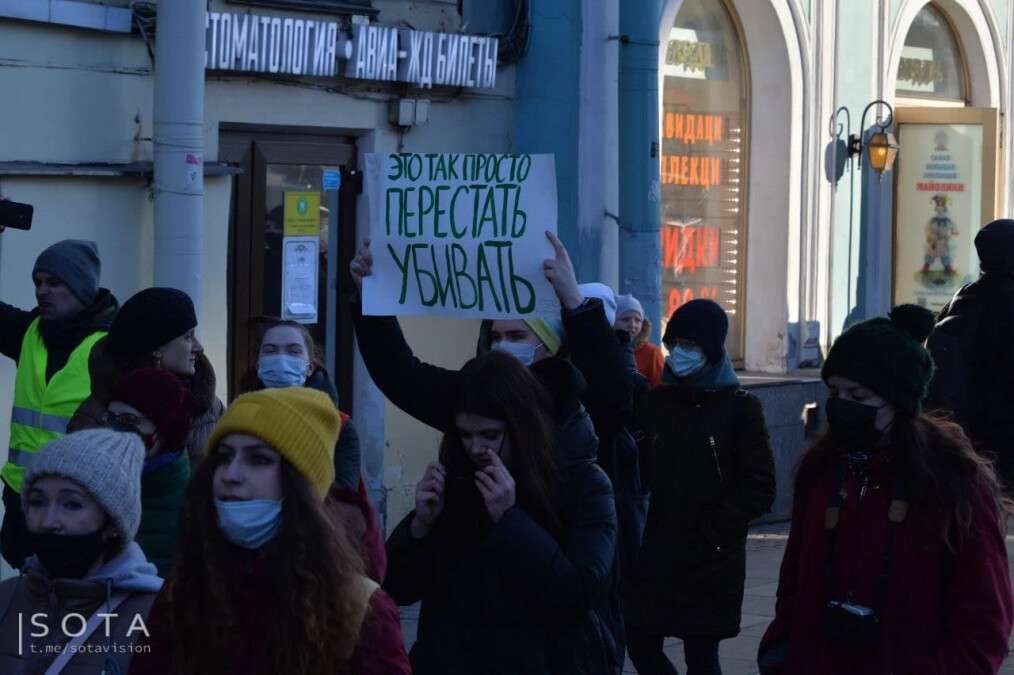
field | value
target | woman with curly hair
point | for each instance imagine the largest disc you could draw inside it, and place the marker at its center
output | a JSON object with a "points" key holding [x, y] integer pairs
{"points": [[265, 581], [896, 560]]}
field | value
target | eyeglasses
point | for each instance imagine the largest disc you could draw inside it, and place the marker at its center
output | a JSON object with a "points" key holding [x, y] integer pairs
{"points": [[126, 419]]}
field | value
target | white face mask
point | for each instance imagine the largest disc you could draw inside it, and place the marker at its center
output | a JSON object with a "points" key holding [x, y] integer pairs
{"points": [[282, 370], [684, 362], [522, 351]]}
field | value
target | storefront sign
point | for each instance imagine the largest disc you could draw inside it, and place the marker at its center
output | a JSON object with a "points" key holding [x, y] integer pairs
{"points": [[289, 46], [460, 235], [422, 58], [938, 211]]}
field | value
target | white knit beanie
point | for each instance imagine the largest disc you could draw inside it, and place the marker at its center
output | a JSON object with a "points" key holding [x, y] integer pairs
{"points": [[107, 464], [603, 293]]}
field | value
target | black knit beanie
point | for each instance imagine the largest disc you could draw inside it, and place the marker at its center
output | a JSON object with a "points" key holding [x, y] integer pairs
{"points": [[887, 356], [704, 322], [995, 245], [149, 320]]}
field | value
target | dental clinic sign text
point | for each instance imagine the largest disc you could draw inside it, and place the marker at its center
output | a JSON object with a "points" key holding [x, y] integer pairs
{"points": [[286, 46]]}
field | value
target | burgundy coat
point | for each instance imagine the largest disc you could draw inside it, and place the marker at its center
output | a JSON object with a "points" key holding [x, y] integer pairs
{"points": [[380, 650], [945, 613]]}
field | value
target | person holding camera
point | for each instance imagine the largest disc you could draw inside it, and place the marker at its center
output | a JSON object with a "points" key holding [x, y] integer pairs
{"points": [[51, 345], [895, 561]]}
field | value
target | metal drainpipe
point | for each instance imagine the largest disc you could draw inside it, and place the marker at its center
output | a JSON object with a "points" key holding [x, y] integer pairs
{"points": [[640, 190], [179, 146]]}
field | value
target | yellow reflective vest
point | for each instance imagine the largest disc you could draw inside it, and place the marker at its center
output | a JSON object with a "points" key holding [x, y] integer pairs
{"points": [[43, 409]]}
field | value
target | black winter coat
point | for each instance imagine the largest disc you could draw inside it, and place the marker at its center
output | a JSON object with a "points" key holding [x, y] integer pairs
{"points": [[989, 421], [515, 600], [712, 473]]}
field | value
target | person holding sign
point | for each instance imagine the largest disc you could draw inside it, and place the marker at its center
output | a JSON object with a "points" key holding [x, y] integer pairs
{"points": [[601, 381], [511, 545]]}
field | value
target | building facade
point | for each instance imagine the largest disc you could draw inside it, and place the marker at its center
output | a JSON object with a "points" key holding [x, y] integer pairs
{"points": [[701, 150]]}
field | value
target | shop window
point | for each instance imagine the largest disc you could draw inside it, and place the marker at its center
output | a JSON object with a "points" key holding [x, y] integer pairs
{"points": [[705, 117], [931, 64]]}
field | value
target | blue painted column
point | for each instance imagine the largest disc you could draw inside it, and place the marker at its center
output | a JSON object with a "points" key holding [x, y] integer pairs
{"points": [[548, 98], [640, 190]]}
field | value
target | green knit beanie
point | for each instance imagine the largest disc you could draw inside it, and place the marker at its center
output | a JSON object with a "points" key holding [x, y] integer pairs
{"points": [[887, 356]]}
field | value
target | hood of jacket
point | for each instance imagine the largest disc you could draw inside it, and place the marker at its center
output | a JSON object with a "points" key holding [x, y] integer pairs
{"points": [[129, 571], [66, 334], [322, 382], [995, 246]]}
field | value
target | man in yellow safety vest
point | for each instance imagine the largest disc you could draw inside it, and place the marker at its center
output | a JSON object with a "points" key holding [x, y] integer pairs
{"points": [[51, 345]]}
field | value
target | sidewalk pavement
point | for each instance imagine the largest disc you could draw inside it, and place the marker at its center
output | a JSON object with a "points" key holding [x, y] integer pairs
{"points": [[764, 549]]}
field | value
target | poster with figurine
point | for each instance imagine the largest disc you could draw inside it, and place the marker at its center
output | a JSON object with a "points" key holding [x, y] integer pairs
{"points": [[938, 211]]}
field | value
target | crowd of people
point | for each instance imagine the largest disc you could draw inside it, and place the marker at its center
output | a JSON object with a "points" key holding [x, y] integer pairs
{"points": [[590, 497]]}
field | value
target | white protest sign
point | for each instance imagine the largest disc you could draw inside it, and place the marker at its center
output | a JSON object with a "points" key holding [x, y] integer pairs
{"points": [[460, 234]]}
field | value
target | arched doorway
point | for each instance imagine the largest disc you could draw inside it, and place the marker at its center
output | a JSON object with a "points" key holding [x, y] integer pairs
{"points": [[949, 165]]}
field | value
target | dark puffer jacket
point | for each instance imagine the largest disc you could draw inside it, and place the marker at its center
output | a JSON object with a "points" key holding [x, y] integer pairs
{"points": [[989, 303], [516, 600], [712, 473]]}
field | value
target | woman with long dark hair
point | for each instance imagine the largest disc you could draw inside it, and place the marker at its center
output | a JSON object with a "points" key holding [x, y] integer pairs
{"points": [[265, 581], [511, 543], [896, 560]]}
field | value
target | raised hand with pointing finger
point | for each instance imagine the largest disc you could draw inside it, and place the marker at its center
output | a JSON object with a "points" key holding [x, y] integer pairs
{"points": [[559, 271]]}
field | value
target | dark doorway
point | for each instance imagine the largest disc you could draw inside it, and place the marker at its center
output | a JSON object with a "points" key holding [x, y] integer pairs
{"points": [[275, 162]]}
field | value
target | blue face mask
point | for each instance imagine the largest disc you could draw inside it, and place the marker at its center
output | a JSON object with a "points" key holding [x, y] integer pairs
{"points": [[251, 523], [684, 361], [281, 370], [522, 351]]}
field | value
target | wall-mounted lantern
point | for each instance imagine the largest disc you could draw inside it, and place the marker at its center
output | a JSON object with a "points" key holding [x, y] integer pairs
{"points": [[882, 147]]}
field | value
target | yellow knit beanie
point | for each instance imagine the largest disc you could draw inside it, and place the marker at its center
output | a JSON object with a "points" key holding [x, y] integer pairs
{"points": [[301, 424]]}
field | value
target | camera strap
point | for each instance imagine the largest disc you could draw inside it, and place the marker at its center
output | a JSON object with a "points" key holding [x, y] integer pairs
{"points": [[897, 513]]}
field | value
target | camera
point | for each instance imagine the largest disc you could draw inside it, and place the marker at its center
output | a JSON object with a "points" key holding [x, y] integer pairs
{"points": [[850, 624]]}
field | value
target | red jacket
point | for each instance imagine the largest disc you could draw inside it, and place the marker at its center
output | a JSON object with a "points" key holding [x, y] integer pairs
{"points": [[944, 614], [353, 508], [650, 363]]}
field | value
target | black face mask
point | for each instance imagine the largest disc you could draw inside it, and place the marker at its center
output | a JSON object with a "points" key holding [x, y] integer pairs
{"points": [[67, 556], [853, 425]]}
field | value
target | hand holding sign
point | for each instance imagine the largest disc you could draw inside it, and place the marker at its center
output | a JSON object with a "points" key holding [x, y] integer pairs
{"points": [[362, 265], [560, 273]]}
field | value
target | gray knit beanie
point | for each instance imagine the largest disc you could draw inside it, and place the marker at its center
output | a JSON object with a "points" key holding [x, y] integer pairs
{"points": [[628, 303], [105, 463], [76, 263]]}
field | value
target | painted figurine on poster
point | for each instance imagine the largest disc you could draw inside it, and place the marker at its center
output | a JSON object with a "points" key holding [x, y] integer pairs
{"points": [[940, 230]]}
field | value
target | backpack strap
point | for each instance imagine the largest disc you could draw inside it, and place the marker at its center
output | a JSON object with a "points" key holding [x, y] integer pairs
{"points": [[70, 649]]}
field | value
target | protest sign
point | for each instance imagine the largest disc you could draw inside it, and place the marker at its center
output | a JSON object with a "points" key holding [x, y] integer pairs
{"points": [[460, 234]]}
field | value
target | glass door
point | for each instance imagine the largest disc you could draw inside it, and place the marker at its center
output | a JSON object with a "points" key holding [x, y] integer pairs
{"points": [[293, 234]]}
